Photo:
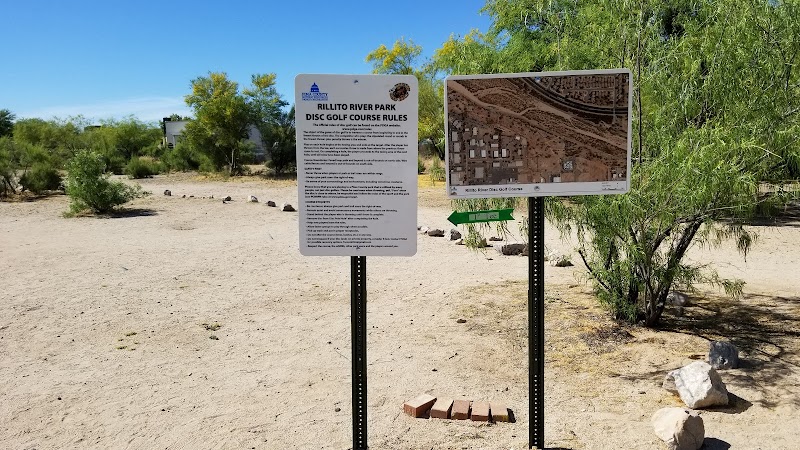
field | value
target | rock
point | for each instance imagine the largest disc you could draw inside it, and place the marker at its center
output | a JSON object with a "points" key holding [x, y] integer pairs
{"points": [[561, 261], [435, 232], [184, 196], [510, 249], [423, 230], [252, 199], [698, 385], [459, 242], [677, 298], [287, 207], [454, 235], [723, 355], [679, 429], [461, 321], [168, 193], [227, 199], [271, 203], [495, 239]]}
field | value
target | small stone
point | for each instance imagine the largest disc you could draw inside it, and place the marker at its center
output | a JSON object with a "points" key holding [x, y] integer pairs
{"points": [[252, 199], [509, 249], [337, 409], [495, 239], [227, 199], [271, 203], [454, 235], [183, 196], [434, 370], [168, 193], [461, 321], [287, 207], [723, 355], [435, 232], [562, 261], [677, 298], [459, 242], [698, 385], [679, 429]]}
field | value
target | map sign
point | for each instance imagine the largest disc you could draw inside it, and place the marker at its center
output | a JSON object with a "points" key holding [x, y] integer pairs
{"points": [[357, 164], [538, 134]]}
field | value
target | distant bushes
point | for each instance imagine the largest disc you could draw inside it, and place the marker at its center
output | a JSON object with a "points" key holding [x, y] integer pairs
{"points": [[143, 167], [90, 189], [40, 178], [184, 158]]}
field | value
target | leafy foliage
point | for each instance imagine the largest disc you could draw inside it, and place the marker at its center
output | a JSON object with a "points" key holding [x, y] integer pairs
{"points": [[403, 59], [89, 188], [283, 151], [142, 167], [6, 122], [716, 103]]}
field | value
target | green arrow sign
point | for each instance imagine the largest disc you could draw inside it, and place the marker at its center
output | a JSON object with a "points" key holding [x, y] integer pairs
{"points": [[458, 218]]}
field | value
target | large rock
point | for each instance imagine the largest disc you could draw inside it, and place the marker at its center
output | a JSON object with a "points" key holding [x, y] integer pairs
{"points": [[698, 385], [271, 203], [510, 249], [723, 355], [287, 207], [168, 193], [679, 429], [435, 232], [677, 298], [252, 199], [454, 235]]}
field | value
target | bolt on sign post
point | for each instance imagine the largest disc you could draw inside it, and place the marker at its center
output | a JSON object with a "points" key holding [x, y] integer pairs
{"points": [[357, 186], [537, 135]]}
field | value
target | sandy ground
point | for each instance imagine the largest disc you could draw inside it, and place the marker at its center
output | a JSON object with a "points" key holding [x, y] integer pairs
{"points": [[106, 329]]}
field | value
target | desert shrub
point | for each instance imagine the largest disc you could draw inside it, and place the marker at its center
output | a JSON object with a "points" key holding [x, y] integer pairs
{"points": [[420, 165], [142, 167], [184, 158], [436, 170], [89, 188], [41, 177], [8, 181]]}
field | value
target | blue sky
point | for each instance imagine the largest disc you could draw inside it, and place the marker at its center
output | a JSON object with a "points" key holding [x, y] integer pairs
{"points": [[108, 59]]}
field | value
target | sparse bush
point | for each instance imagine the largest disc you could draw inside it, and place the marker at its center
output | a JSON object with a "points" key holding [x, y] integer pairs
{"points": [[436, 170], [89, 188], [142, 168], [184, 158], [41, 177]]}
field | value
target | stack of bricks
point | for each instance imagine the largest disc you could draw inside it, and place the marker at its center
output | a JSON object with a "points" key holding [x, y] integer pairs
{"points": [[447, 408]]}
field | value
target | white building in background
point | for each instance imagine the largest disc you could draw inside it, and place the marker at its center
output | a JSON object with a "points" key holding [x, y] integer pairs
{"points": [[173, 132]]}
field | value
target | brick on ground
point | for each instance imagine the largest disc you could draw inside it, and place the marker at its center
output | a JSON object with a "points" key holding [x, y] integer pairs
{"points": [[460, 410], [441, 409], [480, 411], [419, 406], [499, 412]]}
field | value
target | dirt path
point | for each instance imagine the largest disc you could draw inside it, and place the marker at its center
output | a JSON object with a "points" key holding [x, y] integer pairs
{"points": [[106, 329]]}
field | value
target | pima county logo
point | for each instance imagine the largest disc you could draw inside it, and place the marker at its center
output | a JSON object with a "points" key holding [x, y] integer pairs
{"points": [[314, 95]]}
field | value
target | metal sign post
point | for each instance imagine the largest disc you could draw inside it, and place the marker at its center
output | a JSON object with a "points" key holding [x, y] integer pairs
{"points": [[358, 325], [537, 135], [357, 186], [536, 322]]}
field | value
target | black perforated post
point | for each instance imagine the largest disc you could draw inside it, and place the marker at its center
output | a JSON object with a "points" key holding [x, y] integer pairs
{"points": [[358, 330], [536, 322]]}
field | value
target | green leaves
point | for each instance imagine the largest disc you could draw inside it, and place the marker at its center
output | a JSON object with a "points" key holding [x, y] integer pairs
{"points": [[717, 109]]}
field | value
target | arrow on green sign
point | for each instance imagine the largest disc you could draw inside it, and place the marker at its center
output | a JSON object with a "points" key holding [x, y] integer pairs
{"points": [[495, 215]]}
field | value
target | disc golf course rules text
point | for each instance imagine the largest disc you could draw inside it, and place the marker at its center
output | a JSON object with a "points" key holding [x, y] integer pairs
{"points": [[356, 164]]}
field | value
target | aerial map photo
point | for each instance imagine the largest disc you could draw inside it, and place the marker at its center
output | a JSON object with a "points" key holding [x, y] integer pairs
{"points": [[535, 129]]}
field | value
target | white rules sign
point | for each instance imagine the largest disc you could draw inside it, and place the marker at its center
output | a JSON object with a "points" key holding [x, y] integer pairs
{"points": [[357, 164]]}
